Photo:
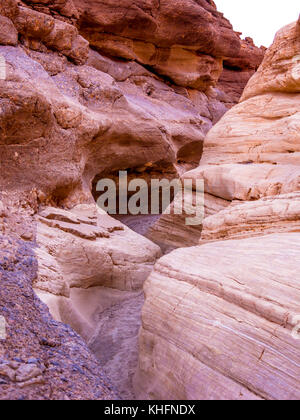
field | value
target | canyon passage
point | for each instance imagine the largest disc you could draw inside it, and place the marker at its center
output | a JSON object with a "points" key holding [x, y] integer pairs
{"points": [[145, 306]]}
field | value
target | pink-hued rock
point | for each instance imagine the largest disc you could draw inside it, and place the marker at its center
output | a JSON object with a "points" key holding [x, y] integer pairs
{"points": [[254, 150], [185, 41], [141, 99], [226, 313], [218, 322]]}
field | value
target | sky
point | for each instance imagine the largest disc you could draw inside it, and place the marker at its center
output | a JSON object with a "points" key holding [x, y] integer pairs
{"points": [[259, 19]]}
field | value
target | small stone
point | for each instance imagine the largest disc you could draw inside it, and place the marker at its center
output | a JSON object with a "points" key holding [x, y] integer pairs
{"points": [[27, 236]]}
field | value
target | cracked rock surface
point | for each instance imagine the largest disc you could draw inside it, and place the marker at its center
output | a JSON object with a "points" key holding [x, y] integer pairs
{"points": [[39, 357]]}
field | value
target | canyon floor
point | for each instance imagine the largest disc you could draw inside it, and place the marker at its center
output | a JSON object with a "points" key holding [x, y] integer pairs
{"points": [[115, 343]]}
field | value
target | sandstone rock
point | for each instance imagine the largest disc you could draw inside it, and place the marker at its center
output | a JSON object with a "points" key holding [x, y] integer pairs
{"points": [[9, 8], [65, 38], [3, 211], [83, 255], [55, 34], [62, 8], [71, 116], [8, 33], [253, 218], [103, 118], [183, 40], [53, 62], [40, 359], [254, 130], [81, 279], [223, 315], [103, 122], [171, 231], [253, 152], [247, 180], [280, 70], [233, 85]]}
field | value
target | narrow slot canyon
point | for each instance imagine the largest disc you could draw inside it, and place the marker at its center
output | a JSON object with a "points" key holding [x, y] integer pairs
{"points": [[104, 303], [108, 319], [108, 292]]}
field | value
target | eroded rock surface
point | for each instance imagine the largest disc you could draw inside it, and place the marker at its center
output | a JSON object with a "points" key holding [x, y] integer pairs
{"points": [[223, 314], [142, 99], [186, 41], [253, 152], [85, 248], [40, 358], [58, 91], [226, 313]]}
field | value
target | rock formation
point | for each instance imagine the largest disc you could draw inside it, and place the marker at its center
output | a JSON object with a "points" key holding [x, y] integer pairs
{"points": [[226, 312], [91, 89], [39, 357], [104, 108], [254, 151], [223, 314], [185, 41]]}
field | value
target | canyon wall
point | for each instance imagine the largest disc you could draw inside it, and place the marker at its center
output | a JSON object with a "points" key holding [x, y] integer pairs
{"points": [[91, 89], [221, 319], [58, 91]]}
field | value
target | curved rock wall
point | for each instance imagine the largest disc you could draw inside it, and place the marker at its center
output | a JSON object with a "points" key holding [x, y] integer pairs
{"points": [[253, 152], [221, 319], [58, 91], [89, 89]]}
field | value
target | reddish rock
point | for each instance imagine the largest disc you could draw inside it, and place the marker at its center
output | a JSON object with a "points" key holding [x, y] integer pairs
{"points": [[185, 41], [8, 33], [71, 115], [9, 8]]}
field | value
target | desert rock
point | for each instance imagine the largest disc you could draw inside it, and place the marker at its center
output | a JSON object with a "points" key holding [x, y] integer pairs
{"points": [[253, 152], [225, 313], [186, 41], [88, 91], [40, 359]]}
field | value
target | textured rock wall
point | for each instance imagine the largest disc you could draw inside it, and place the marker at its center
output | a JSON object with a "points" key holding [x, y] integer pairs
{"points": [[40, 359], [226, 313], [103, 108], [186, 41], [144, 96], [254, 150]]}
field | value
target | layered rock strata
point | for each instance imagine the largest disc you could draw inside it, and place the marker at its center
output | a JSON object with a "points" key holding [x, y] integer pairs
{"points": [[253, 152], [226, 313], [185, 41], [142, 100]]}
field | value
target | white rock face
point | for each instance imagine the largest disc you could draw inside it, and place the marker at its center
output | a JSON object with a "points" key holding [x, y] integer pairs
{"points": [[254, 151], [223, 314], [91, 270], [221, 319], [85, 249]]}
